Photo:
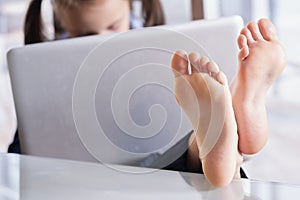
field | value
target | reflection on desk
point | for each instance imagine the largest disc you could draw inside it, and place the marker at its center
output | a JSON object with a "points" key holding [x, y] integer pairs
{"points": [[45, 178]]}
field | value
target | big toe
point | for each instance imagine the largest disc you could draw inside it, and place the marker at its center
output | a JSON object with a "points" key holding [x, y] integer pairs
{"points": [[179, 63], [267, 29]]}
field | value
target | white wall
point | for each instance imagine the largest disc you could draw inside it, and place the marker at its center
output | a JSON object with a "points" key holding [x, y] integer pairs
{"points": [[177, 11]]}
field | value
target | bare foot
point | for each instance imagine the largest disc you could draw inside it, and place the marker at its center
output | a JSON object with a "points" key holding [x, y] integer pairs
{"points": [[261, 61], [205, 97]]}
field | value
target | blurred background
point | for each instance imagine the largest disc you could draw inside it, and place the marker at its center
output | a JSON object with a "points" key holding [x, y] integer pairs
{"points": [[279, 160]]}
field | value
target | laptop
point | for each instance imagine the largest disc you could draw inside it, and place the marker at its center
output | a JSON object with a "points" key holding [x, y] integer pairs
{"points": [[110, 98]]}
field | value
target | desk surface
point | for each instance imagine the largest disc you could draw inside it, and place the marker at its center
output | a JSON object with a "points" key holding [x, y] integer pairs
{"points": [[31, 178]]}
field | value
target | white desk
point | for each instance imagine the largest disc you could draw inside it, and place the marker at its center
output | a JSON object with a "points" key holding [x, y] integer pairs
{"points": [[33, 178]]}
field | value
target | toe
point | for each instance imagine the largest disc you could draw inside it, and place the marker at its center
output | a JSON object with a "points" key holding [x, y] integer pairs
{"points": [[267, 29], [243, 54], [244, 49], [194, 60], [221, 78], [242, 41], [255, 32], [212, 67], [246, 32], [179, 63], [203, 61]]}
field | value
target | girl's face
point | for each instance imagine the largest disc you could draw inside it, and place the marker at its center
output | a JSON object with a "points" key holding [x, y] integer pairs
{"points": [[94, 17]]}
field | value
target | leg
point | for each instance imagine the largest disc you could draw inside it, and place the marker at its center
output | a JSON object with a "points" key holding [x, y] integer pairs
{"points": [[205, 97], [261, 61]]}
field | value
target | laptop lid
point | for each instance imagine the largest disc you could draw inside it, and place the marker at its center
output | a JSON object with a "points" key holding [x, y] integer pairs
{"points": [[110, 98]]}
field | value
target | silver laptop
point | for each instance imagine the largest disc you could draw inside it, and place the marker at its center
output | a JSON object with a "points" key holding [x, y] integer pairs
{"points": [[110, 98]]}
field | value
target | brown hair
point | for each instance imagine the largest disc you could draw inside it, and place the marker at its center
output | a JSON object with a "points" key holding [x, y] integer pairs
{"points": [[33, 28], [152, 12]]}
